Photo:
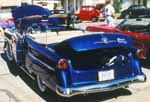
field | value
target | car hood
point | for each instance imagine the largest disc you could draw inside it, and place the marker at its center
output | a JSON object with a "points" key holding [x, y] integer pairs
{"points": [[91, 42], [101, 28]]}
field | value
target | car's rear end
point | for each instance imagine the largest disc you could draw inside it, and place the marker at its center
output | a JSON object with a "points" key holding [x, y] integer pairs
{"points": [[97, 63]]}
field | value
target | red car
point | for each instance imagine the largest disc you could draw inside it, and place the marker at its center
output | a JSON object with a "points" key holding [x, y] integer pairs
{"points": [[138, 29], [89, 13]]}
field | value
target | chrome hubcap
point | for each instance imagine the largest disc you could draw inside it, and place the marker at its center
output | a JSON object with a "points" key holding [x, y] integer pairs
{"points": [[41, 85], [9, 53]]}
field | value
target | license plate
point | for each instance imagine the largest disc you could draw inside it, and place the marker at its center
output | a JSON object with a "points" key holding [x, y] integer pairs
{"points": [[106, 75]]}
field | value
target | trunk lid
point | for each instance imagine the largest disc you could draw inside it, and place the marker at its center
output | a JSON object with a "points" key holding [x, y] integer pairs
{"points": [[97, 58], [101, 65]]}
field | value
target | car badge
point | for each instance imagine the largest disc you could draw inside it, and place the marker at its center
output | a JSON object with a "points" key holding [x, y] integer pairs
{"points": [[121, 40], [104, 40]]}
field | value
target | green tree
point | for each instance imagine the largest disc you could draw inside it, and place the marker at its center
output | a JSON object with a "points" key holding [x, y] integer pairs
{"points": [[145, 2], [117, 5]]}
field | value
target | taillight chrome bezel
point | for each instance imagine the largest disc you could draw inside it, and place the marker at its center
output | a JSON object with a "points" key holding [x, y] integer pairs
{"points": [[140, 54], [63, 64]]}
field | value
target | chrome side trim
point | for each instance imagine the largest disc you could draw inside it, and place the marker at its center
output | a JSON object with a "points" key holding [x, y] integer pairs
{"points": [[50, 68], [23, 68]]}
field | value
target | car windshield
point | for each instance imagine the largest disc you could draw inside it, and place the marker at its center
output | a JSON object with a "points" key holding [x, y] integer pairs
{"points": [[84, 9], [91, 8], [138, 25], [137, 7], [141, 6]]}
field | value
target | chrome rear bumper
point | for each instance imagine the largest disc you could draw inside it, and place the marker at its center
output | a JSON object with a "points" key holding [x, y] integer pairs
{"points": [[101, 87]]}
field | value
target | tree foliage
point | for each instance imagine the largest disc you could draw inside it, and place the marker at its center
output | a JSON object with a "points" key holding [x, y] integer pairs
{"points": [[117, 5]]}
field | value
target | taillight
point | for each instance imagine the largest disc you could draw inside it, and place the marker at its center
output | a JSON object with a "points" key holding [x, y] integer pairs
{"points": [[140, 54], [63, 64]]}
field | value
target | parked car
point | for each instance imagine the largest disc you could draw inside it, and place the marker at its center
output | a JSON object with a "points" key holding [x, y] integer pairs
{"points": [[138, 29], [7, 23], [72, 62], [89, 13], [135, 11]]}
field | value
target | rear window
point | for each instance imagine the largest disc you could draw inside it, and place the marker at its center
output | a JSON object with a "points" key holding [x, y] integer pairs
{"points": [[90, 59], [136, 25]]}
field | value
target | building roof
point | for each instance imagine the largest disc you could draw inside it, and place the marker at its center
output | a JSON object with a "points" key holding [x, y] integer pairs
{"points": [[6, 3]]}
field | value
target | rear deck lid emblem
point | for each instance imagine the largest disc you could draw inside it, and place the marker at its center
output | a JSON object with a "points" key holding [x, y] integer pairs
{"points": [[104, 40]]}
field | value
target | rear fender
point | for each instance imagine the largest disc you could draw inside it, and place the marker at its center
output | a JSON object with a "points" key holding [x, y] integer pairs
{"points": [[135, 61], [139, 45], [64, 76]]}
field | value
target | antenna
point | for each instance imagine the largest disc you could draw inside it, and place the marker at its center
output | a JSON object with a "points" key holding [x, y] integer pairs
{"points": [[44, 28], [46, 45]]}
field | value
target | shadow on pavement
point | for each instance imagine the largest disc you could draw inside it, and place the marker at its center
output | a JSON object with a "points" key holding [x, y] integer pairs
{"points": [[145, 64], [98, 97], [11, 65], [50, 96]]}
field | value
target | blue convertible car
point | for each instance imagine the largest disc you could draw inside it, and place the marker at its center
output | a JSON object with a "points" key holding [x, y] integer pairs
{"points": [[70, 62]]}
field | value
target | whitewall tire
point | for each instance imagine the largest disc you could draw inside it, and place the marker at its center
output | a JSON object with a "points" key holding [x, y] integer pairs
{"points": [[9, 52], [41, 84]]}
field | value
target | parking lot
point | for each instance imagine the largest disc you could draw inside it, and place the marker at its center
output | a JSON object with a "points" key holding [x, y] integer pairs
{"points": [[16, 86]]}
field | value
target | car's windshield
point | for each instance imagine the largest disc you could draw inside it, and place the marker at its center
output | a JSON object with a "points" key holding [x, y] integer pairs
{"points": [[137, 7], [135, 25], [141, 6], [84, 9]]}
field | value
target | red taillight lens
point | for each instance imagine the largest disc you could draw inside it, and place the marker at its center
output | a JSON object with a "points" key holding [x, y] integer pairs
{"points": [[63, 64], [140, 54]]}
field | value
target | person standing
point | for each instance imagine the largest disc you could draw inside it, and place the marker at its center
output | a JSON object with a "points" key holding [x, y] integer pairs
{"points": [[70, 16], [109, 12], [55, 8]]}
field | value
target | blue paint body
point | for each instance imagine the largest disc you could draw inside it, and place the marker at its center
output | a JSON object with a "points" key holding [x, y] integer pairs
{"points": [[87, 57], [74, 78]]}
